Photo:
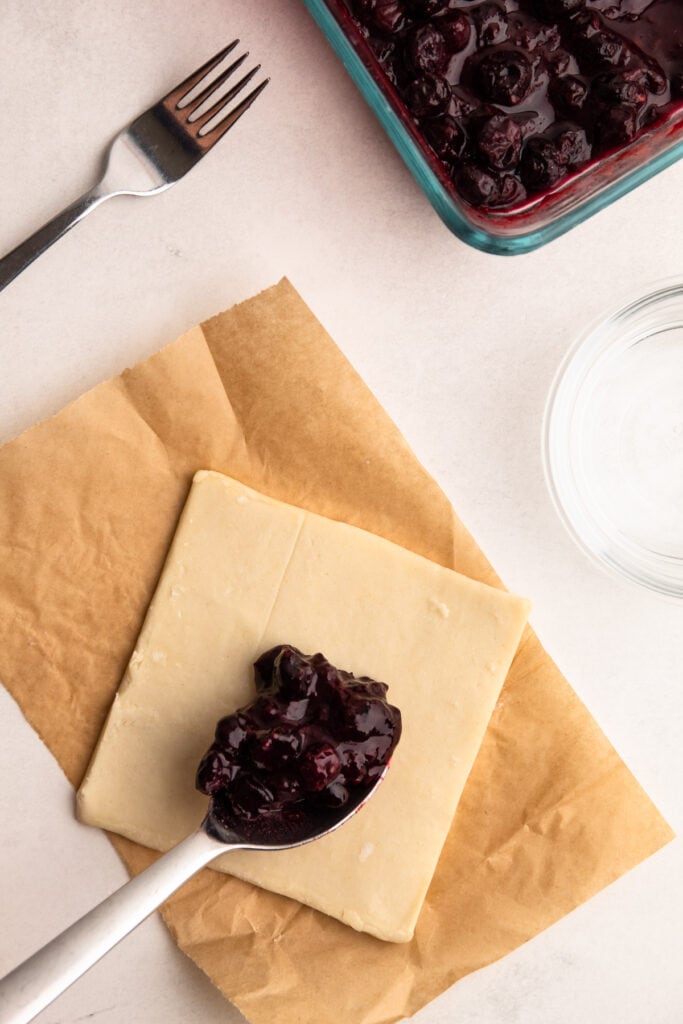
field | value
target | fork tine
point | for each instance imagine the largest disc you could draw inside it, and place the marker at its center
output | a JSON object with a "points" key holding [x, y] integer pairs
{"points": [[179, 92], [215, 133], [213, 88], [221, 102]]}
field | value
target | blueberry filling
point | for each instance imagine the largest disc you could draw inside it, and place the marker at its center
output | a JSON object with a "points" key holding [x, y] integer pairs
{"points": [[313, 733], [496, 88]]}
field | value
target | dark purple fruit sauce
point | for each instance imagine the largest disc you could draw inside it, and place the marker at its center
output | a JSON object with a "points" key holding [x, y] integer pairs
{"points": [[514, 96], [314, 737]]}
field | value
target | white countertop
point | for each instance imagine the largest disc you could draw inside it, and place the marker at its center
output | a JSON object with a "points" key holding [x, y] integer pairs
{"points": [[460, 348]]}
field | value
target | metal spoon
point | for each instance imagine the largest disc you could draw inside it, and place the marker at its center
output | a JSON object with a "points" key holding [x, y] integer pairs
{"points": [[34, 984]]}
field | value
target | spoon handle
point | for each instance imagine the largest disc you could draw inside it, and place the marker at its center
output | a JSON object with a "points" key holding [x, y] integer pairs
{"points": [[31, 986]]}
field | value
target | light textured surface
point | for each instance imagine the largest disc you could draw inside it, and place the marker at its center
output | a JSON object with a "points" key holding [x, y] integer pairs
{"points": [[459, 347], [246, 573]]}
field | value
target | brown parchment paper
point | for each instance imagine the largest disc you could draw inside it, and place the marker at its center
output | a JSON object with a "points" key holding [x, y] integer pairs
{"points": [[88, 504]]}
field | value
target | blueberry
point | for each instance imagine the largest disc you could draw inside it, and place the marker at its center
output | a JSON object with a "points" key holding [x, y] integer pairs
{"points": [[615, 87], [329, 679], [297, 675], [386, 52], [427, 51], [368, 686], [367, 716], [607, 48], [319, 766], [287, 662], [222, 809], [540, 166], [529, 34], [649, 116], [462, 103], [264, 711], [264, 668], [427, 8], [655, 78], [456, 29], [615, 126], [427, 96], [477, 186], [385, 16], [276, 749], [447, 138], [531, 122], [491, 22], [503, 76], [333, 796], [295, 710], [557, 62], [568, 95], [572, 146], [488, 188], [510, 191], [499, 142], [596, 46], [232, 731], [375, 750], [288, 788], [250, 796], [552, 10], [215, 771], [354, 768]]}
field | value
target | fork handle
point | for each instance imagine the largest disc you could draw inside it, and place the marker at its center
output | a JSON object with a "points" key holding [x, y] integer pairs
{"points": [[33, 985], [18, 259]]}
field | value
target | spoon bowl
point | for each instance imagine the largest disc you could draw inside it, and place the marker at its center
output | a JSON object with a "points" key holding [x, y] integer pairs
{"points": [[286, 836]]}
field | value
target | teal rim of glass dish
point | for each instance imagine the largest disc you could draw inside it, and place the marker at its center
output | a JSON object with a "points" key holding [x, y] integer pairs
{"points": [[436, 193]]}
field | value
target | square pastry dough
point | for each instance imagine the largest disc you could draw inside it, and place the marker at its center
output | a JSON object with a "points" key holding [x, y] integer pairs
{"points": [[246, 572]]}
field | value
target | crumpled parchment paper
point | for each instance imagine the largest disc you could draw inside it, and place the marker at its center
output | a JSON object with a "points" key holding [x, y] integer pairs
{"points": [[88, 505]]}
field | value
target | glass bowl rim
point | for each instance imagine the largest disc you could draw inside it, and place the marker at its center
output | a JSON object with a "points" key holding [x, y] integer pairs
{"points": [[650, 294]]}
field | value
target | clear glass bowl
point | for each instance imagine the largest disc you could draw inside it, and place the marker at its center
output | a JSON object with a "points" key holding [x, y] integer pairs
{"points": [[613, 440], [503, 232]]}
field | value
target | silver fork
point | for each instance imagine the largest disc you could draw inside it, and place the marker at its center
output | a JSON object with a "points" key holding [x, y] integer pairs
{"points": [[157, 149]]}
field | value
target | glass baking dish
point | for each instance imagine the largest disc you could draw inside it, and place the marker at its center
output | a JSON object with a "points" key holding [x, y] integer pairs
{"points": [[510, 231]]}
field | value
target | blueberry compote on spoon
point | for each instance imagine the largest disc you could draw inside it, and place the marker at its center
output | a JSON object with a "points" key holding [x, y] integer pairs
{"points": [[512, 96], [312, 745]]}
